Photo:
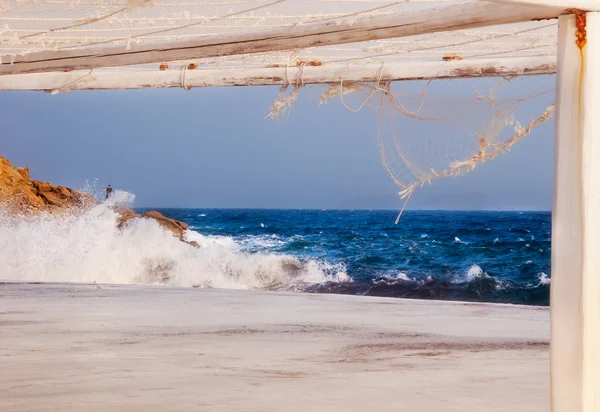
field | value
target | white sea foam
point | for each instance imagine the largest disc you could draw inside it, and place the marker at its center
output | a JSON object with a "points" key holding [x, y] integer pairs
{"points": [[393, 279], [472, 273], [253, 242], [544, 279], [88, 247], [476, 272]]}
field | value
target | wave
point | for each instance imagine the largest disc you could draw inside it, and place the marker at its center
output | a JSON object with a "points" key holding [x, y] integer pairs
{"points": [[473, 273], [473, 285], [87, 246], [544, 279], [393, 279], [260, 242]]}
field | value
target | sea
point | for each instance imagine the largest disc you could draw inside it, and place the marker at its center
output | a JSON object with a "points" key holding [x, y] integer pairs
{"points": [[444, 255], [450, 255]]}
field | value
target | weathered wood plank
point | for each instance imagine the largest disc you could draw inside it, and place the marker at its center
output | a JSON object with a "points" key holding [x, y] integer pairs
{"points": [[137, 79], [583, 5], [455, 17]]}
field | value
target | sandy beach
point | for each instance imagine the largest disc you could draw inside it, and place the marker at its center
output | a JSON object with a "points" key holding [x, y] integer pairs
{"points": [[131, 348]]}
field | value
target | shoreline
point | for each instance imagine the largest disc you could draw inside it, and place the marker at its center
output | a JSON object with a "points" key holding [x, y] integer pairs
{"points": [[155, 348], [279, 292]]}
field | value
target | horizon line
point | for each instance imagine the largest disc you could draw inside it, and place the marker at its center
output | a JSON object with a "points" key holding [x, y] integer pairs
{"points": [[345, 209]]}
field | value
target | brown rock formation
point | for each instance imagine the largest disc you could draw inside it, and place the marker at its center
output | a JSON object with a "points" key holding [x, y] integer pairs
{"points": [[21, 195], [174, 226]]}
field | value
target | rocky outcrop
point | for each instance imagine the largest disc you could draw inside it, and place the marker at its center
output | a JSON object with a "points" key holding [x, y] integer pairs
{"points": [[61, 196], [21, 195], [174, 226]]}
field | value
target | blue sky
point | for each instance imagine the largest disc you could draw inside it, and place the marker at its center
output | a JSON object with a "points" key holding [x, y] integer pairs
{"points": [[214, 148]]}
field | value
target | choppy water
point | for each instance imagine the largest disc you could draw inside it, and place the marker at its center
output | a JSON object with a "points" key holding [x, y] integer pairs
{"points": [[475, 256], [471, 256]]}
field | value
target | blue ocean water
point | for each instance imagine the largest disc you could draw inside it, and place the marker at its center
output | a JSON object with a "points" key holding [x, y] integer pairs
{"points": [[468, 256]]}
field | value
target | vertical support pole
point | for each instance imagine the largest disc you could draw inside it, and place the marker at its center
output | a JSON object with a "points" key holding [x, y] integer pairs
{"points": [[575, 290]]}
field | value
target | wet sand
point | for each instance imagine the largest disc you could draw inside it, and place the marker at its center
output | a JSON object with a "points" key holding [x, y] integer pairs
{"points": [[141, 348]]}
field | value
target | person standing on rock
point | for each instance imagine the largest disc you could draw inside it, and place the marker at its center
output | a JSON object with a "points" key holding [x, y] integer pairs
{"points": [[108, 191]]}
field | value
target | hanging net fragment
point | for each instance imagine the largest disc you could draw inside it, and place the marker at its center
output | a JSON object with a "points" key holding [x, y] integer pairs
{"points": [[443, 128]]}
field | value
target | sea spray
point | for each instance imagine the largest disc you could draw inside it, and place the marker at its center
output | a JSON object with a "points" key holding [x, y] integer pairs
{"points": [[87, 246], [544, 279], [310, 251]]}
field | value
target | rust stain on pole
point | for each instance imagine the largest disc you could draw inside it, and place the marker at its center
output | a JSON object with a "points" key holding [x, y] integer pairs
{"points": [[580, 23]]}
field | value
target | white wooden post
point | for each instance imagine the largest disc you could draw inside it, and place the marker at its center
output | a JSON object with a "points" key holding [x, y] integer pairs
{"points": [[575, 294]]}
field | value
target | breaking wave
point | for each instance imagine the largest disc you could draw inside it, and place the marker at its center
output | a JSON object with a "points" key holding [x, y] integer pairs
{"points": [[87, 246], [472, 285]]}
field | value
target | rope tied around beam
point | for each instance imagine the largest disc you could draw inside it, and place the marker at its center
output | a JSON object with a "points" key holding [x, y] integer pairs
{"points": [[284, 103], [183, 78], [65, 88]]}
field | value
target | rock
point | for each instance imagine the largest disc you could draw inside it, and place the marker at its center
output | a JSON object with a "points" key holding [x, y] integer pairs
{"points": [[61, 196], [125, 215], [19, 194], [24, 172], [175, 226], [16, 192]]}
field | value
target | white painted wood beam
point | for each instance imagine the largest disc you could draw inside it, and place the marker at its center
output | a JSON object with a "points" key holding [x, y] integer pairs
{"points": [[448, 18], [583, 5], [331, 73], [575, 290]]}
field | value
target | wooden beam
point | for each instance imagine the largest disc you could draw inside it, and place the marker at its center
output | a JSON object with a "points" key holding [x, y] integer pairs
{"points": [[333, 73], [583, 5], [448, 18], [575, 290]]}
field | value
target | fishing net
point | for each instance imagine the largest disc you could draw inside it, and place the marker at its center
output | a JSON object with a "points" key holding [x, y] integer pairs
{"points": [[427, 129], [439, 128]]}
